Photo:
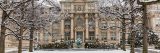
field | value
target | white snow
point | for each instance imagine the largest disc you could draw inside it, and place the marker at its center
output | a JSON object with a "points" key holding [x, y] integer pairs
{"points": [[107, 51], [150, 50], [10, 49]]}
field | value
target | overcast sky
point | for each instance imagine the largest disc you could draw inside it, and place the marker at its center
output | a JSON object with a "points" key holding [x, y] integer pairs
{"points": [[58, 0]]}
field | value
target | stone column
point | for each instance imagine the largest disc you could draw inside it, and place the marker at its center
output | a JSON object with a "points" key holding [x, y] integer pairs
{"points": [[87, 32], [96, 28], [72, 27], [62, 28]]}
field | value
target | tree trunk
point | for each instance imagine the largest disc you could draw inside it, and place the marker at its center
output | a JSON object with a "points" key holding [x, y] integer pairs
{"points": [[145, 31], [132, 36], [3, 31], [21, 30], [132, 45], [133, 32], [31, 40], [123, 35], [2, 39], [132, 42], [20, 40], [32, 28]]}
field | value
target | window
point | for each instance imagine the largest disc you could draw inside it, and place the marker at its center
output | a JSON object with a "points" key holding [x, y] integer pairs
{"points": [[67, 26], [38, 36], [79, 7], [68, 23], [157, 22], [75, 7], [112, 23], [67, 35], [158, 7], [46, 37], [79, 21], [113, 35], [104, 35], [91, 23], [103, 25], [91, 36]]}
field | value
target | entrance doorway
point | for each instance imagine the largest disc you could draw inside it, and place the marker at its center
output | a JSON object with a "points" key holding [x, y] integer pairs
{"points": [[79, 39], [79, 35]]}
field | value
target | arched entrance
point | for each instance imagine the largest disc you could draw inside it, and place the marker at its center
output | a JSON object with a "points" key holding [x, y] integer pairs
{"points": [[79, 39]]}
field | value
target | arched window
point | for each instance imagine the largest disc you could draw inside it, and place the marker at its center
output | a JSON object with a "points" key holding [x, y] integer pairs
{"points": [[79, 21]]}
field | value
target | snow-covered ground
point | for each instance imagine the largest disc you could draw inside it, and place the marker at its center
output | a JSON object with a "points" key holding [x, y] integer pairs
{"points": [[149, 50], [138, 50], [107, 51], [10, 49]]}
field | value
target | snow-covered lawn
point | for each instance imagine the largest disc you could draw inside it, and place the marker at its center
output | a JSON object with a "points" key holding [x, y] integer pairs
{"points": [[149, 50], [110, 51], [10, 49]]}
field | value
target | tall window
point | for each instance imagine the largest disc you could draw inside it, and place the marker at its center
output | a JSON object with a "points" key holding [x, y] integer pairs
{"points": [[91, 23], [104, 35], [91, 35], [75, 8], [113, 35], [38, 36], [67, 35], [67, 24], [46, 37]]}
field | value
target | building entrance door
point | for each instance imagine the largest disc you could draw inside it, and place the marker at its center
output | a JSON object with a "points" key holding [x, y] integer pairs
{"points": [[79, 38], [79, 35]]}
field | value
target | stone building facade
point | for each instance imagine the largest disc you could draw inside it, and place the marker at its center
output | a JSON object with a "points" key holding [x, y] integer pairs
{"points": [[82, 21], [154, 18]]}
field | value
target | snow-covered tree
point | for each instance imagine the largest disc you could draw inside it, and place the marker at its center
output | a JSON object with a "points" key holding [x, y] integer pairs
{"points": [[25, 14], [7, 7], [123, 10]]}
